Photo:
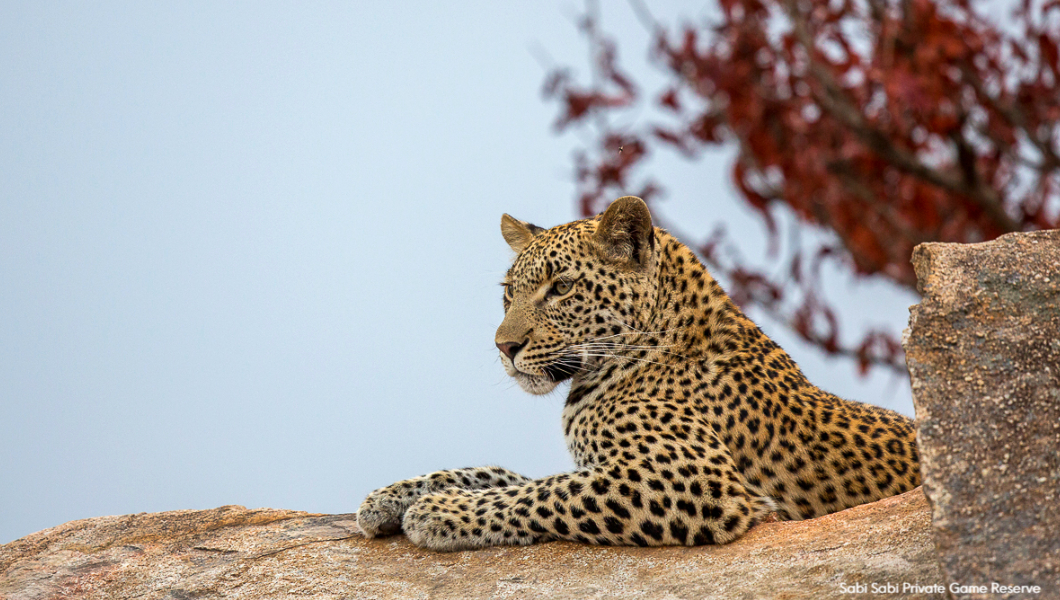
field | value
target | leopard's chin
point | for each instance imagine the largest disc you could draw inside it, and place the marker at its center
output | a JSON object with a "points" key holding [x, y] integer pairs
{"points": [[535, 384]]}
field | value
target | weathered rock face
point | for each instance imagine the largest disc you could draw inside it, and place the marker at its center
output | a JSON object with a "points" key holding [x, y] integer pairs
{"points": [[232, 552], [983, 350]]}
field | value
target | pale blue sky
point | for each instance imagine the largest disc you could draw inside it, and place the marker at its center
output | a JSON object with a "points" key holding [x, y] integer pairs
{"points": [[249, 252]]}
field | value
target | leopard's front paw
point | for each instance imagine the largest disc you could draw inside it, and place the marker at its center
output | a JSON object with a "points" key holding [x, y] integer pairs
{"points": [[381, 512], [434, 522]]}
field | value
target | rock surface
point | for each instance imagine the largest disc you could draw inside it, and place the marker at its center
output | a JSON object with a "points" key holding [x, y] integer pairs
{"points": [[983, 350], [232, 552]]}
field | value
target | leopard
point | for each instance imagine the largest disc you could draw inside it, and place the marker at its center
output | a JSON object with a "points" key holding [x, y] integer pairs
{"points": [[686, 423]]}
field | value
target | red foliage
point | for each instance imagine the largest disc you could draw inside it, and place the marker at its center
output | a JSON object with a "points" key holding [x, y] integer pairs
{"points": [[889, 123]]}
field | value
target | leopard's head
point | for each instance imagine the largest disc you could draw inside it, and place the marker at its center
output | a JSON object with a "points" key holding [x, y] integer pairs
{"points": [[576, 293]]}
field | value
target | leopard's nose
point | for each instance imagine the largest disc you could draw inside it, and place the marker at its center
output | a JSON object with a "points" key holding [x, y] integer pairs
{"points": [[510, 349]]}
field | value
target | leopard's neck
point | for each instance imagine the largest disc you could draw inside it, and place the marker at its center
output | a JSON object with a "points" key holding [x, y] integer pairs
{"points": [[691, 319]]}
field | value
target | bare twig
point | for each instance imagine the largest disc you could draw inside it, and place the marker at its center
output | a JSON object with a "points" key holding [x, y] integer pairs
{"points": [[286, 548]]}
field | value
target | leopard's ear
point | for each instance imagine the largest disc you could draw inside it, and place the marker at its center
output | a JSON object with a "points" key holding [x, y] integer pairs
{"points": [[518, 233], [625, 233]]}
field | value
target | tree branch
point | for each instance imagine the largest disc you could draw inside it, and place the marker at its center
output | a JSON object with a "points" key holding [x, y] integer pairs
{"points": [[838, 105]]}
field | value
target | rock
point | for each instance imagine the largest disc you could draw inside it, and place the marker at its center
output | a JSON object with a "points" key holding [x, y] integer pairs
{"points": [[233, 552], [983, 350]]}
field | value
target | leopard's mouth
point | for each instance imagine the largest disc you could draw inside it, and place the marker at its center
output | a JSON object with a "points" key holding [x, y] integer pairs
{"points": [[550, 376], [563, 369]]}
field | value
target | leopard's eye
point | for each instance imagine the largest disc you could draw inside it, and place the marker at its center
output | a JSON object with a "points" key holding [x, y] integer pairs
{"points": [[561, 287]]}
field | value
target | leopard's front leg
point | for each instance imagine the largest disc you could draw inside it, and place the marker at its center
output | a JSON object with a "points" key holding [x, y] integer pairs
{"points": [[382, 511], [650, 503]]}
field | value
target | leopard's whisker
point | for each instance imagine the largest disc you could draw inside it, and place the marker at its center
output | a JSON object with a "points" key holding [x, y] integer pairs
{"points": [[620, 357], [612, 347], [636, 332]]}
